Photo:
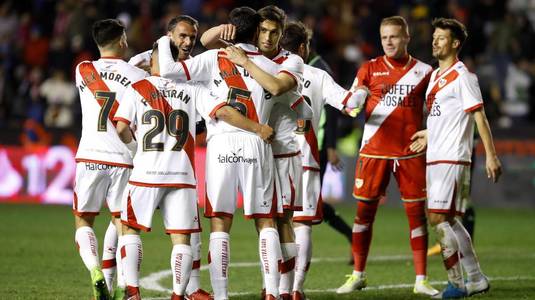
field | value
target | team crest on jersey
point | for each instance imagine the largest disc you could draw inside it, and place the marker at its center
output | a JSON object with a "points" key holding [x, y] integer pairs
{"points": [[442, 82], [359, 182]]}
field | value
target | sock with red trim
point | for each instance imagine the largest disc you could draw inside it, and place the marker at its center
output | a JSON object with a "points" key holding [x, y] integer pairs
{"points": [[132, 255], [469, 258], [362, 232], [303, 241], [219, 259], [269, 248], [450, 253], [181, 261], [87, 246], [289, 252], [195, 277], [118, 258], [415, 212], [109, 250]]}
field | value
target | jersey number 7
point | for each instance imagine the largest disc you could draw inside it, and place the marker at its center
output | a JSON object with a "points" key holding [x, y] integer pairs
{"points": [[106, 101]]}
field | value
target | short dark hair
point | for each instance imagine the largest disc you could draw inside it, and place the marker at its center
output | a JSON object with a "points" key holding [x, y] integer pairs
{"points": [[182, 18], [107, 31], [174, 49], [294, 35], [457, 29], [273, 13], [246, 20]]}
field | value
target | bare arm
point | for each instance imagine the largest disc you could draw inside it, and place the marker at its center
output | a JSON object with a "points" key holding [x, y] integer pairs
{"points": [[234, 118], [215, 37], [276, 85], [125, 134], [493, 165]]}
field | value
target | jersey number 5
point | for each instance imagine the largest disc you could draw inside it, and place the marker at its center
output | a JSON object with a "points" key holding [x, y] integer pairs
{"points": [[177, 124], [237, 97]]}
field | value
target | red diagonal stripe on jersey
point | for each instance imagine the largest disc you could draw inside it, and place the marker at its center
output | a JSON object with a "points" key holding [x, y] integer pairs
{"points": [[155, 99], [233, 78], [440, 84], [394, 77], [279, 60], [95, 83], [312, 140]]}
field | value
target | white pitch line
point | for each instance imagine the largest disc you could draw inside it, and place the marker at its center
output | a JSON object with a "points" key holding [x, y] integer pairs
{"points": [[152, 281], [373, 288]]}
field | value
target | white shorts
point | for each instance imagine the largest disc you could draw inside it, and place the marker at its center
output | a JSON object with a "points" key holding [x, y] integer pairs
{"points": [[95, 183], [178, 207], [288, 182], [244, 161], [445, 184], [312, 201]]}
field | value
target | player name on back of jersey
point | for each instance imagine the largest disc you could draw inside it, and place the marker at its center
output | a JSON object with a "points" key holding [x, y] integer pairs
{"points": [[111, 76]]}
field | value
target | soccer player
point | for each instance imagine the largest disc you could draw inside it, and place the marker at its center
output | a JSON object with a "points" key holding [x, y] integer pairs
{"points": [[318, 89], [284, 121], [103, 161], [394, 112], [183, 31], [234, 158], [454, 102], [164, 114]]}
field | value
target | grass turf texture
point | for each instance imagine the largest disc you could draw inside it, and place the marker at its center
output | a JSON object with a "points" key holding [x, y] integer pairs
{"points": [[38, 257]]}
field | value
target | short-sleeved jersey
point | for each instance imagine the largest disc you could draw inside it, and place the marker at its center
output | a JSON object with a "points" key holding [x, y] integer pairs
{"points": [[101, 85], [450, 98], [164, 114], [228, 81], [394, 110], [319, 88], [283, 120]]}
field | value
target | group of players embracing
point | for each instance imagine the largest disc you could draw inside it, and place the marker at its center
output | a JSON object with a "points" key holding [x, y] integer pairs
{"points": [[261, 105]]}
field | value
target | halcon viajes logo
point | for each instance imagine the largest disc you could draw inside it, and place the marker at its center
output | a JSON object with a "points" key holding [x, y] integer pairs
{"points": [[236, 157]]}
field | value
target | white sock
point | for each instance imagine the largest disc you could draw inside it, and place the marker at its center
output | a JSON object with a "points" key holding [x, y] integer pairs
{"points": [[219, 252], [109, 250], [195, 277], [87, 246], [303, 241], [270, 254], [420, 278], [133, 250], [289, 252], [469, 258], [450, 253], [181, 261], [119, 258]]}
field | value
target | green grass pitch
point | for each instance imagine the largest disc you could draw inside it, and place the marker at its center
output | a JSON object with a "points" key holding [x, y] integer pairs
{"points": [[38, 257]]}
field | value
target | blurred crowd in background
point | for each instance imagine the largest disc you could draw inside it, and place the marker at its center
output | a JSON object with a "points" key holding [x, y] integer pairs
{"points": [[42, 41]]}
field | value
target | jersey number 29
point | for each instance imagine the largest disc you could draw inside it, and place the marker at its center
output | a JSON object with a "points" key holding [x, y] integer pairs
{"points": [[177, 124]]}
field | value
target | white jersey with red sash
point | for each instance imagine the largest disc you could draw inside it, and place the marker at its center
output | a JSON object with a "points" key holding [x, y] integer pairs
{"points": [[228, 81], [164, 113], [451, 97], [282, 118], [319, 88], [102, 84]]}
